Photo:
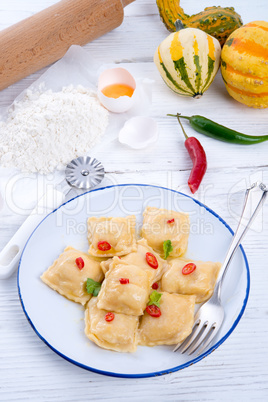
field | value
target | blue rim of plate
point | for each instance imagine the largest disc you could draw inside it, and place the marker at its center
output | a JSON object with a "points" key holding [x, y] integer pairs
{"points": [[157, 373]]}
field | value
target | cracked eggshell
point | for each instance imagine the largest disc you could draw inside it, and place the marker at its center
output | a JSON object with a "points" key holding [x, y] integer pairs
{"points": [[138, 132], [116, 76]]}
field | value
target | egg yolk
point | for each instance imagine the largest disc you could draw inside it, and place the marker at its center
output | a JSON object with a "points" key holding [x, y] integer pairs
{"points": [[117, 90]]}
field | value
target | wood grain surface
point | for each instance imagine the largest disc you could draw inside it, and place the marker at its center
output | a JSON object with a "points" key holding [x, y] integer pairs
{"points": [[238, 370]]}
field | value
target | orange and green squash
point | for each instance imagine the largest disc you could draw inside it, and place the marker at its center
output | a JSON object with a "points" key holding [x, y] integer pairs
{"points": [[218, 22], [244, 64]]}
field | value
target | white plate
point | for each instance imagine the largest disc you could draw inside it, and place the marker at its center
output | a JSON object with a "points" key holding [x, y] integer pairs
{"points": [[59, 322]]}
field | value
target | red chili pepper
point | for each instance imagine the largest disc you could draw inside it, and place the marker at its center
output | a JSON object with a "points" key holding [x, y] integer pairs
{"points": [[171, 220], [151, 260], [153, 310], [109, 317], [104, 246], [199, 159], [198, 156], [155, 286], [124, 281], [188, 268], [80, 263]]}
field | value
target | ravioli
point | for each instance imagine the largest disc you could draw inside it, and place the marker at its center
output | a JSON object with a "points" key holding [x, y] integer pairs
{"points": [[174, 324], [129, 298], [118, 233], [160, 225], [120, 334], [138, 258], [66, 278], [200, 282]]}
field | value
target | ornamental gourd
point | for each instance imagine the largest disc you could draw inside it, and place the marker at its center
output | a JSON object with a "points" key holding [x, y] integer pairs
{"points": [[244, 64], [218, 22], [188, 61]]}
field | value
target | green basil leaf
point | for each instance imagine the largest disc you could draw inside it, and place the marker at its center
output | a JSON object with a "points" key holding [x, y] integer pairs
{"points": [[93, 287], [167, 247], [155, 298]]}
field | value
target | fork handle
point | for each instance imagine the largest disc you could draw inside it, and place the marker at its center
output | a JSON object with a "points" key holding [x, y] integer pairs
{"points": [[254, 198]]}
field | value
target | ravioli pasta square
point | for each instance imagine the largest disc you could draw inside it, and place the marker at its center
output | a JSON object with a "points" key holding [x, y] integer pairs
{"points": [[141, 259], [160, 225], [127, 298], [174, 324], [66, 278], [120, 334], [118, 233], [200, 282]]}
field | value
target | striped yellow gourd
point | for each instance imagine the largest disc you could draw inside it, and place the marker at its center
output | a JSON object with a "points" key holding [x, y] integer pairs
{"points": [[188, 61], [244, 64]]}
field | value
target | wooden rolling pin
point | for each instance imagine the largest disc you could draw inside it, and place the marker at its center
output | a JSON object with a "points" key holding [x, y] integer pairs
{"points": [[45, 37]]}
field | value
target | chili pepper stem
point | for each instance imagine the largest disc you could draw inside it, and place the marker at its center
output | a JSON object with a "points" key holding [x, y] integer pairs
{"points": [[185, 135], [176, 115]]}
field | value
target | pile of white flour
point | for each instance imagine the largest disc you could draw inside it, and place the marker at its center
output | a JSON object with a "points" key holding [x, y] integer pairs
{"points": [[46, 130]]}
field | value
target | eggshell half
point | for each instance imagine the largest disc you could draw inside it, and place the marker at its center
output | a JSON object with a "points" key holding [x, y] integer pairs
{"points": [[139, 132], [116, 76]]}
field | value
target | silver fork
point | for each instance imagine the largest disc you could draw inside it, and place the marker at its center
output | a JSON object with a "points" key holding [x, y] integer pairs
{"points": [[210, 316]]}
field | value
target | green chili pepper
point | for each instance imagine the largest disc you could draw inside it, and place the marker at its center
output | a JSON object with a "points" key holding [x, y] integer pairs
{"points": [[221, 133]]}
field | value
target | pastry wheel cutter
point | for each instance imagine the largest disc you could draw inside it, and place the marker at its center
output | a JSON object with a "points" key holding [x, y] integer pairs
{"points": [[82, 173]]}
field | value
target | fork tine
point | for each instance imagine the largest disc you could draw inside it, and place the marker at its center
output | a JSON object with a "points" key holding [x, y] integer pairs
{"points": [[209, 338], [208, 330], [184, 344], [182, 347]]}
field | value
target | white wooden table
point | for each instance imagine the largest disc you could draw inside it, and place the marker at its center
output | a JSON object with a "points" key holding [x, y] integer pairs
{"points": [[29, 370]]}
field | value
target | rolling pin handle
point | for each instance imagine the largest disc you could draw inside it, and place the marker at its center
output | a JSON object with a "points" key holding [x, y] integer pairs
{"points": [[45, 37]]}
